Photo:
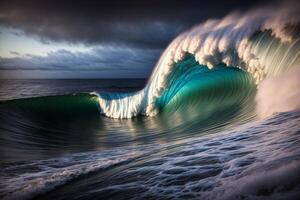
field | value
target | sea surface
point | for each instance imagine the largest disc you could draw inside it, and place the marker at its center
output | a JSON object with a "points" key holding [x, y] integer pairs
{"points": [[55, 144], [218, 118]]}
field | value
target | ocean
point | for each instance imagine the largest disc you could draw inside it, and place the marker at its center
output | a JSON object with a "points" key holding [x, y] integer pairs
{"points": [[49, 150], [218, 118]]}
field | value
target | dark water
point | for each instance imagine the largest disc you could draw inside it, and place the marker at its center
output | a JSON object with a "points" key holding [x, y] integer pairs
{"points": [[24, 88], [55, 144]]}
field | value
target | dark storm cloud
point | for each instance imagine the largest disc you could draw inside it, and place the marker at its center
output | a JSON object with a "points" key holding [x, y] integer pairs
{"points": [[150, 24], [98, 59]]}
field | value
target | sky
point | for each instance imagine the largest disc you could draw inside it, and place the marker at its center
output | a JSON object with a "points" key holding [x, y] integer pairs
{"points": [[96, 39]]}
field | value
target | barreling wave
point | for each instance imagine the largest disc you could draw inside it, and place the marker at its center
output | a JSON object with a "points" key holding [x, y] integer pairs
{"points": [[262, 42]]}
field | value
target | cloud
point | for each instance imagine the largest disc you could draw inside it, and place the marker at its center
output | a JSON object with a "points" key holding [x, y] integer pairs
{"points": [[147, 24], [101, 59]]}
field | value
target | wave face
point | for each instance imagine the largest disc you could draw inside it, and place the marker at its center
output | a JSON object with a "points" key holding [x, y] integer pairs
{"points": [[260, 42]]}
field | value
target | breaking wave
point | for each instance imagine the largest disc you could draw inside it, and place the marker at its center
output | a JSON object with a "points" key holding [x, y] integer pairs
{"points": [[262, 42]]}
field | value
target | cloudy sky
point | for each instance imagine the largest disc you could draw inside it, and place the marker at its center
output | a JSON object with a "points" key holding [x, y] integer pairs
{"points": [[96, 39]]}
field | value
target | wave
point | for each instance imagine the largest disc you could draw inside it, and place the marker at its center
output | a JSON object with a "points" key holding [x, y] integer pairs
{"points": [[206, 81], [262, 42]]}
